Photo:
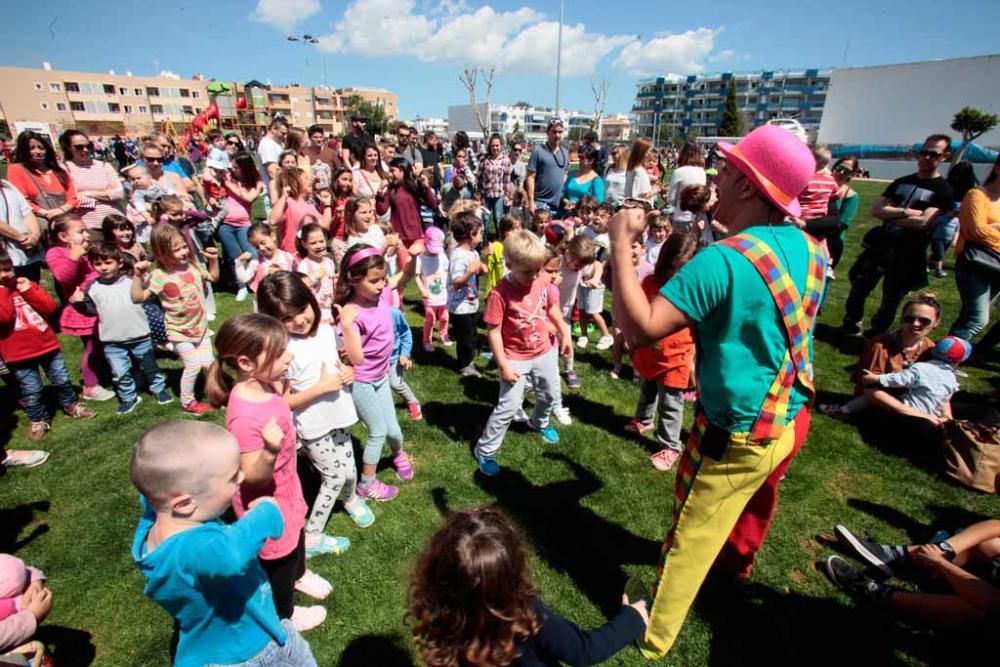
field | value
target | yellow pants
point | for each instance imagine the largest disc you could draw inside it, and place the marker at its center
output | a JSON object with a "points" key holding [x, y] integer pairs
{"points": [[710, 496]]}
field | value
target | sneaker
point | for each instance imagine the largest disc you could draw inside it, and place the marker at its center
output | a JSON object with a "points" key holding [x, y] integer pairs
{"points": [[574, 330], [97, 393], [26, 458], [378, 490], [605, 342], [833, 410], [242, 293], [877, 555], [690, 396], [314, 586], [487, 355], [582, 342], [638, 427], [125, 408], [847, 329], [572, 381], [307, 618], [360, 513], [197, 408], [562, 415], [404, 469], [446, 342], [77, 411], [414, 410], [665, 459], [164, 397], [38, 430], [853, 581], [488, 465], [616, 372], [328, 544], [470, 371], [940, 273], [428, 347], [549, 434], [520, 416]]}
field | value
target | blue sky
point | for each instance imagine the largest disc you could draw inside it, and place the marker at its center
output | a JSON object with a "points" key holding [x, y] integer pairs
{"points": [[417, 48]]}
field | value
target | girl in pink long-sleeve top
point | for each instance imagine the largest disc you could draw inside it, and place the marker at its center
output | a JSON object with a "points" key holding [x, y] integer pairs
{"points": [[67, 259]]}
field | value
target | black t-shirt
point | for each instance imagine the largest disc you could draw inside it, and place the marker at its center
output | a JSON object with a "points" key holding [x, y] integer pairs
{"points": [[356, 144], [432, 159], [908, 247]]}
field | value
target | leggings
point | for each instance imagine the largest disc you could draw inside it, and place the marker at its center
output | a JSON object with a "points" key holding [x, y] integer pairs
{"points": [[283, 572], [92, 362], [194, 356], [432, 313], [399, 385], [373, 401], [333, 457]]}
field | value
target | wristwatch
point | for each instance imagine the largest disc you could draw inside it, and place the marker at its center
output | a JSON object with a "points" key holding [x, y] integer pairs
{"points": [[949, 551]]}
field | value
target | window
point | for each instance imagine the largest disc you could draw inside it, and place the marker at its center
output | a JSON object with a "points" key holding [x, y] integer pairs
{"points": [[109, 89], [185, 92], [195, 94], [128, 108], [45, 106], [55, 87], [114, 107], [143, 108], [76, 106], [61, 106], [156, 108], [138, 92], [72, 87], [309, 100], [122, 91], [38, 86], [152, 91], [187, 109]]}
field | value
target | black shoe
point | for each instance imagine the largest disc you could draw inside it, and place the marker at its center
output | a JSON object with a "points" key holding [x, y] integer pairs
{"points": [[853, 582], [847, 329], [872, 333]]}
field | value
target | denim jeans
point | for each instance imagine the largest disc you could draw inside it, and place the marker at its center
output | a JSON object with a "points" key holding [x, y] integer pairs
{"points": [[234, 242], [976, 287], [30, 381], [295, 652], [495, 205], [120, 356]]}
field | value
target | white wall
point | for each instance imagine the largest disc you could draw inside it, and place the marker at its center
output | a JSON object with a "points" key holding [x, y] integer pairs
{"points": [[462, 117], [902, 104]]}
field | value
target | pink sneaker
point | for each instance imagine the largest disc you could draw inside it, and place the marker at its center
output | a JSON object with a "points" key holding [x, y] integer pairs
{"points": [[414, 410], [378, 490], [404, 469], [636, 426], [665, 459]]}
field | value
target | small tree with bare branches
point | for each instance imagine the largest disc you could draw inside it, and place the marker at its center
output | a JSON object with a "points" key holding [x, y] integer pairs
{"points": [[600, 90], [470, 79]]}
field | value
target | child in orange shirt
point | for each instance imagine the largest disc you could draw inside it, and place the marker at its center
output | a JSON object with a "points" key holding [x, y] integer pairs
{"points": [[665, 367]]}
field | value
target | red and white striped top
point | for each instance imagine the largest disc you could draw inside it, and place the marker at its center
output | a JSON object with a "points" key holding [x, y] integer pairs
{"points": [[815, 199], [97, 177]]}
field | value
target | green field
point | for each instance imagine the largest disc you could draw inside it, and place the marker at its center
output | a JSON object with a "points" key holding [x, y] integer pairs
{"points": [[594, 511]]}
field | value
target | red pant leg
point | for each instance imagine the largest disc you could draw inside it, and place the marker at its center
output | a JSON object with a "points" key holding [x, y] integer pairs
{"points": [[736, 557]]}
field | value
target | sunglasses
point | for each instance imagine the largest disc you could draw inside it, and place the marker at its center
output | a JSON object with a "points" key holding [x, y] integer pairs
{"points": [[841, 169], [152, 159], [931, 154], [80, 147], [233, 143], [922, 321], [629, 202]]}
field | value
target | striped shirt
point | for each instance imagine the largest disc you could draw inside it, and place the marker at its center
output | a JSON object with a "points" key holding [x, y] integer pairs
{"points": [[97, 177], [815, 199]]}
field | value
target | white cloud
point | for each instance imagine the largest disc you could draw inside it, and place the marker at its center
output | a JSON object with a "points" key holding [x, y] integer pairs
{"points": [[684, 53], [284, 14], [492, 30], [376, 28], [722, 56], [533, 50]]}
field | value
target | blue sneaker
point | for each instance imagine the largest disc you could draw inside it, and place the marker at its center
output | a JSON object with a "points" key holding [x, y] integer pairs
{"points": [[550, 435], [125, 408], [164, 397], [488, 465]]}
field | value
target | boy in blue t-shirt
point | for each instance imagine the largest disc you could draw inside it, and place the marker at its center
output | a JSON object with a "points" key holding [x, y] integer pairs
{"points": [[205, 573]]}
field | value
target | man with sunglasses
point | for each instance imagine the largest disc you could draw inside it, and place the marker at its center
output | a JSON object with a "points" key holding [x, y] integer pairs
{"points": [[518, 170], [896, 252]]}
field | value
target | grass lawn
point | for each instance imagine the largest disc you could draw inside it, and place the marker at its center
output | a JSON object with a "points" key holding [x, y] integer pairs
{"points": [[593, 508]]}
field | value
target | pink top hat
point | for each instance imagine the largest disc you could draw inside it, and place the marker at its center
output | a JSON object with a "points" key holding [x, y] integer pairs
{"points": [[776, 161]]}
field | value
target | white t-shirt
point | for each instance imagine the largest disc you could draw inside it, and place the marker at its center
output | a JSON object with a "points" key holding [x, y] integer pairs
{"points": [[373, 237], [433, 271], [13, 209], [641, 187], [680, 179], [330, 411], [465, 299], [614, 186], [269, 152], [653, 250]]}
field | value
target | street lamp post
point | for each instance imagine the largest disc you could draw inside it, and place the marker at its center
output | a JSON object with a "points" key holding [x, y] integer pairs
{"points": [[559, 55], [307, 40]]}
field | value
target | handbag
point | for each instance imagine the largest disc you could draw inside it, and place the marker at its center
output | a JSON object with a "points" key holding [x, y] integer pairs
{"points": [[971, 453], [981, 257], [46, 199]]}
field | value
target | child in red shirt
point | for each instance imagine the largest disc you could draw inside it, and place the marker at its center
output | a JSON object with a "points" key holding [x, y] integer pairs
{"points": [[665, 367], [27, 342]]}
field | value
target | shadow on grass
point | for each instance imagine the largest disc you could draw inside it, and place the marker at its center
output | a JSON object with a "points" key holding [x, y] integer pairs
{"points": [[68, 647], [848, 345], [946, 517], [13, 520], [570, 537], [388, 650]]}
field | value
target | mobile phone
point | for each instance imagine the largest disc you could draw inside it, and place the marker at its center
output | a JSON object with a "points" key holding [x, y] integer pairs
{"points": [[714, 441]]}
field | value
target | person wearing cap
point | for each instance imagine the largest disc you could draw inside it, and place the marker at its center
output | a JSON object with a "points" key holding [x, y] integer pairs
{"points": [[353, 145], [547, 170], [213, 182], [431, 277], [752, 301]]}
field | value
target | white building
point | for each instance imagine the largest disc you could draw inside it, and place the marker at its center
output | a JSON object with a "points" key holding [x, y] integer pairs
{"points": [[506, 120], [902, 104], [438, 126]]}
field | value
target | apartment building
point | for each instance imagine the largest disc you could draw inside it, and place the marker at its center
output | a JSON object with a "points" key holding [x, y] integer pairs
{"points": [[615, 128], [389, 101], [694, 104], [528, 120]]}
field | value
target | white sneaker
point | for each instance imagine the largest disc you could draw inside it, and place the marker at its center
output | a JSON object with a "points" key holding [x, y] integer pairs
{"points": [[582, 341], [604, 342], [314, 586], [307, 618], [241, 295], [97, 393], [562, 415]]}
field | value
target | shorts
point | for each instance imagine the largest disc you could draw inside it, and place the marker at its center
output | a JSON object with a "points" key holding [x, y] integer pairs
{"points": [[591, 299]]}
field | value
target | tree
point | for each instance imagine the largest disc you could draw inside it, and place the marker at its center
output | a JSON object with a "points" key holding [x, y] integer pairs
{"points": [[972, 123], [378, 121], [731, 124], [517, 134], [522, 104], [470, 79], [600, 91]]}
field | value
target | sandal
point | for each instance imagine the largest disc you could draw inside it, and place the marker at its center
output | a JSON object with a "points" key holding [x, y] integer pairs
{"points": [[329, 544]]}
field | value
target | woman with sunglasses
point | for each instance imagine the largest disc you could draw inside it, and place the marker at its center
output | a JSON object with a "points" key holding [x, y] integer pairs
{"points": [[234, 145], [98, 188], [845, 203], [152, 159], [38, 175]]}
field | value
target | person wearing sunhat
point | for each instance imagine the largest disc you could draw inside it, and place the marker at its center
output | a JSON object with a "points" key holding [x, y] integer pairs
{"points": [[752, 300]]}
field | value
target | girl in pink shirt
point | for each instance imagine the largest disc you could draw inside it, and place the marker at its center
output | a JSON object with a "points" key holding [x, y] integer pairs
{"points": [[293, 204], [319, 270], [67, 259], [255, 346], [251, 270]]}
